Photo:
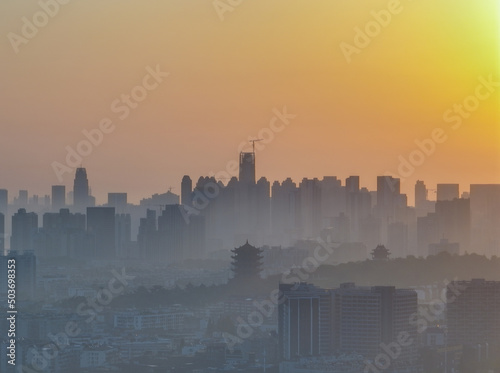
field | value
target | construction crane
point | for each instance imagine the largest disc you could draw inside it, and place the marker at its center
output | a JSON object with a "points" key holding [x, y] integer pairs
{"points": [[253, 143]]}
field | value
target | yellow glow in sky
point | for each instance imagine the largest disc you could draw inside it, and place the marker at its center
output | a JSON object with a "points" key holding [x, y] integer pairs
{"points": [[227, 72]]}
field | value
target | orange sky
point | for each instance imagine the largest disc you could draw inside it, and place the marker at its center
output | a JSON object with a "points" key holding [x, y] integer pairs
{"points": [[227, 75]]}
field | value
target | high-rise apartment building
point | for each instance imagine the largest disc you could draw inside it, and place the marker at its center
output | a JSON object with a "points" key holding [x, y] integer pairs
{"points": [[24, 230], [485, 218], [58, 197], [350, 319], [118, 201], [447, 192], [473, 312], [101, 226]]}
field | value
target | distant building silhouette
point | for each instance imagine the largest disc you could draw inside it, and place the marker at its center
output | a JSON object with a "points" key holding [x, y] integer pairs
{"points": [[186, 190], [454, 221], [62, 235], [22, 199], [420, 194], [397, 238], [4, 201], [118, 201], [284, 212], [485, 218], [24, 230], [81, 191], [101, 226], [447, 192], [58, 197], [178, 239], [247, 168], [147, 238], [123, 234]]}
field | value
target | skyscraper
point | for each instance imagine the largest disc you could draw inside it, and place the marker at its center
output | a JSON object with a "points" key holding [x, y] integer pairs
{"points": [[62, 235], [81, 190], [485, 218], [118, 201], [389, 203], [454, 221], [310, 207], [369, 317], [24, 229], [447, 192], [388, 191], [22, 199], [179, 240], [4, 201], [420, 195], [247, 168], [147, 238], [101, 226], [123, 232], [186, 190], [284, 203], [352, 184], [58, 197], [304, 321]]}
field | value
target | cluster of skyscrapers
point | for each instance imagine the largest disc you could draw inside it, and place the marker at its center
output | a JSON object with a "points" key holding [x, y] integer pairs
{"points": [[211, 216]]}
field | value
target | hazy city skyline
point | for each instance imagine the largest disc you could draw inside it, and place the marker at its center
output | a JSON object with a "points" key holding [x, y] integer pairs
{"points": [[250, 186]]}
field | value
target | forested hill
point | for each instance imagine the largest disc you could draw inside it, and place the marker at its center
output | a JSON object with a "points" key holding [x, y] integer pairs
{"points": [[409, 271]]}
